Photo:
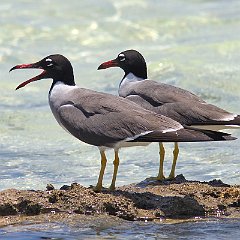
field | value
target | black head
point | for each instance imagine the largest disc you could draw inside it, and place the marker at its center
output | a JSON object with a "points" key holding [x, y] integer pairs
{"points": [[131, 61], [54, 66]]}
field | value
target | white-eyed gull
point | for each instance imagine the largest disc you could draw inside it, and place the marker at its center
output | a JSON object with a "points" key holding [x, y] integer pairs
{"points": [[176, 103], [105, 120]]}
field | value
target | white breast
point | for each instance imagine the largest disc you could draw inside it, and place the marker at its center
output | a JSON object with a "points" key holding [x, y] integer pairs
{"points": [[127, 84], [58, 97]]}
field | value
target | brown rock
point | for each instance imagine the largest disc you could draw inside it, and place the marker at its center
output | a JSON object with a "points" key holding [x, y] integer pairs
{"points": [[146, 201]]}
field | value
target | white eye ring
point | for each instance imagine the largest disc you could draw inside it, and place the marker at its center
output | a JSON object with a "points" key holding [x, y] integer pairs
{"points": [[50, 62], [121, 57]]}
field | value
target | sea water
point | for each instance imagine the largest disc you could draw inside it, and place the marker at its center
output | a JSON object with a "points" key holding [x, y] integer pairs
{"points": [[191, 44]]}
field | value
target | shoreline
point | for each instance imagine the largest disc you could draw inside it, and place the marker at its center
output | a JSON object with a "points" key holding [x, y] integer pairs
{"points": [[150, 200]]}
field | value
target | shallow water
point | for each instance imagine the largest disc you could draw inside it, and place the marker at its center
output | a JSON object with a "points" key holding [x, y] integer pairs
{"points": [[207, 230], [191, 44]]}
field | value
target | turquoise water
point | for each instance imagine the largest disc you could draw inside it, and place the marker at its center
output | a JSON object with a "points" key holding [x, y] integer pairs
{"points": [[192, 44]]}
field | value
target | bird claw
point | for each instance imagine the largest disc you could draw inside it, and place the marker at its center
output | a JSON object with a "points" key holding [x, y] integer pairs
{"points": [[170, 177], [96, 188], [112, 188]]}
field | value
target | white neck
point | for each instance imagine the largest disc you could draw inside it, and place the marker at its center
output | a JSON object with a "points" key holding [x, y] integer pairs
{"points": [[129, 79], [58, 94], [57, 97]]}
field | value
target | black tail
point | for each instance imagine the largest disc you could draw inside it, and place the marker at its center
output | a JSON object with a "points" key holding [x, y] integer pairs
{"points": [[214, 135], [185, 135]]}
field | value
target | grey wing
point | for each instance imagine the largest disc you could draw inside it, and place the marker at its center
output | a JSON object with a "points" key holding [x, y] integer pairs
{"points": [[106, 128], [195, 113], [99, 129], [190, 112], [160, 93], [110, 127], [124, 112], [104, 119]]}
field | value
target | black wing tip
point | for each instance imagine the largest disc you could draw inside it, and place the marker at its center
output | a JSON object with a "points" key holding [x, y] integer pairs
{"points": [[237, 120], [208, 135], [230, 138], [185, 135]]}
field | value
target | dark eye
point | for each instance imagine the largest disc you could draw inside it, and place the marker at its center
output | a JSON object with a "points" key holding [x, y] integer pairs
{"points": [[49, 62], [121, 57]]}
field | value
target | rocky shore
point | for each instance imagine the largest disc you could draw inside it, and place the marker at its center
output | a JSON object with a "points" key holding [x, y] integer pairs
{"points": [[146, 201]]}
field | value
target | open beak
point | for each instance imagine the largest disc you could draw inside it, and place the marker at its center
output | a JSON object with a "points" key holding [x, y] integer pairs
{"points": [[108, 64], [32, 65]]}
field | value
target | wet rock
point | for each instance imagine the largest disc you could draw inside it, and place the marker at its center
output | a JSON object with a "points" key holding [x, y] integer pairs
{"points": [[33, 209], [86, 210], [28, 207], [65, 187], [53, 198], [7, 209], [218, 183], [153, 182], [49, 187], [120, 210], [176, 199], [75, 185], [183, 207], [235, 204], [221, 207]]}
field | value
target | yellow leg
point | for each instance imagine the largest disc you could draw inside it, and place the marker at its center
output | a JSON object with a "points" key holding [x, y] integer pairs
{"points": [[98, 187], [160, 175], [116, 164], [175, 156]]}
